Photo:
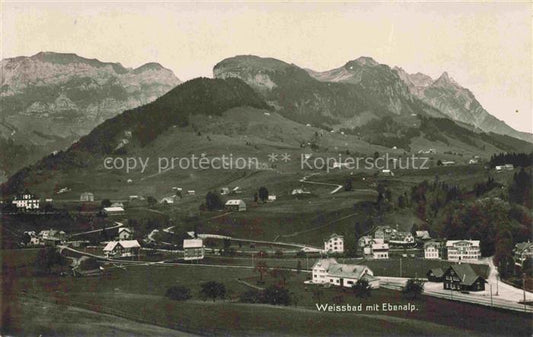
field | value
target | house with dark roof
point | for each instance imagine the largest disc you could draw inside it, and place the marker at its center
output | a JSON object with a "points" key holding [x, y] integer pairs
{"points": [[463, 277], [435, 275]]}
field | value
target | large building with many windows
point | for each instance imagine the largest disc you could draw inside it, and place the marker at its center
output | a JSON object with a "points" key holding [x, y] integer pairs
{"points": [[334, 244], [463, 250]]}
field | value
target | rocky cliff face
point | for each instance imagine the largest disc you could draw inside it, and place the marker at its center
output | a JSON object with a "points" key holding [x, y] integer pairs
{"points": [[456, 102], [49, 100]]}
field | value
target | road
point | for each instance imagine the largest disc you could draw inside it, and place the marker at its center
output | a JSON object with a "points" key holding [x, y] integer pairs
{"points": [[305, 181], [118, 224], [435, 289]]}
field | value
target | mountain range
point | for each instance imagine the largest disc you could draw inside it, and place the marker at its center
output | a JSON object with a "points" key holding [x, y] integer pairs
{"points": [[260, 105], [50, 99]]}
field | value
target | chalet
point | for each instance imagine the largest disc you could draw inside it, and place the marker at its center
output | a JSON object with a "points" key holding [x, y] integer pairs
{"points": [[191, 192], [193, 249], [235, 205], [122, 248], [125, 233], [435, 275], [522, 251], [110, 211], [473, 161], [334, 244], [432, 250], [328, 271], [271, 198], [26, 202], [462, 277], [463, 250], [87, 196], [224, 191]]}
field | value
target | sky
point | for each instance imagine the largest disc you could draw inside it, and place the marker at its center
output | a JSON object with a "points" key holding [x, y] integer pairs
{"points": [[485, 47]]}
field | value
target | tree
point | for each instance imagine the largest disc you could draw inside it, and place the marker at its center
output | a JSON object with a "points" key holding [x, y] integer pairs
{"points": [[252, 296], [178, 293], [263, 193], [413, 288], [47, 259], [317, 293], [262, 268], [105, 203], [26, 239], [213, 201], [362, 288], [151, 200], [213, 290], [277, 295], [348, 184]]}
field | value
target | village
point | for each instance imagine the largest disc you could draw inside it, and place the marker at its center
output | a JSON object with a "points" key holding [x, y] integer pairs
{"points": [[460, 266]]}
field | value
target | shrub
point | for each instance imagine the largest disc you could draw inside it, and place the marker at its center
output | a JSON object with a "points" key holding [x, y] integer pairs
{"points": [[178, 293]]}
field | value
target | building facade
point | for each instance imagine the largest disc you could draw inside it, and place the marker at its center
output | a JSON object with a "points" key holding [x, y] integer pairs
{"points": [[463, 250], [334, 244], [461, 277], [432, 250], [193, 249]]}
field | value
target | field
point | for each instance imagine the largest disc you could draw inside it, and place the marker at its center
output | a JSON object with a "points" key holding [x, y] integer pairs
{"points": [[136, 294]]}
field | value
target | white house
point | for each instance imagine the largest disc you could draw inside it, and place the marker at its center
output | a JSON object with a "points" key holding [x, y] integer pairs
{"points": [[122, 248], [379, 249], [125, 233], [235, 205], [463, 250], [26, 201], [224, 191], [193, 249], [328, 271], [87, 196], [334, 244], [432, 250], [191, 192], [271, 198]]}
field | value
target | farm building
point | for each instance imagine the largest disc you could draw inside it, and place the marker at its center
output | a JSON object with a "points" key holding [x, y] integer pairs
{"points": [[328, 271], [235, 205], [122, 248]]}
